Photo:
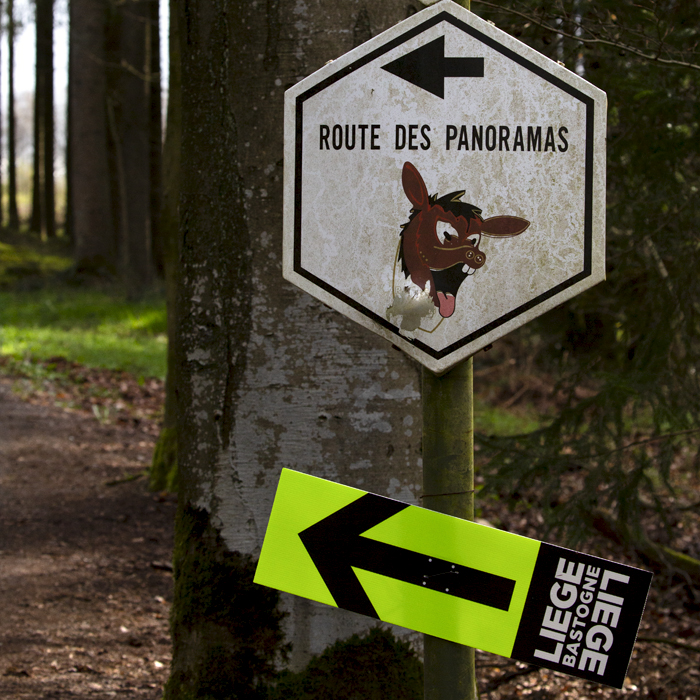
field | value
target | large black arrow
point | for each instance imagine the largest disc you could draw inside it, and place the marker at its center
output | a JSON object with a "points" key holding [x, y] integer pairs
{"points": [[427, 67], [336, 545]]}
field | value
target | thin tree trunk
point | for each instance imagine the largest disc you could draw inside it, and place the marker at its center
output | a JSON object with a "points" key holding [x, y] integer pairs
{"points": [[156, 141], [129, 98], [13, 213], [2, 217], [114, 63], [43, 217], [90, 203], [35, 221], [48, 185], [164, 468], [68, 225]]}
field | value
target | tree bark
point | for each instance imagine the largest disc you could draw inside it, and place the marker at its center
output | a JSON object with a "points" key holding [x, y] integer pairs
{"points": [[163, 474], [90, 198], [130, 132], [48, 184], [13, 213], [35, 217], [68, 226], [213, 311], [2, 210], [43, 218], [267, 377], [115, 136], [156, 139]]}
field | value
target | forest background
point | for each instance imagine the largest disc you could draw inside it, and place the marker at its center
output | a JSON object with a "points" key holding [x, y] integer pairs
{"points": [[590, 420]]}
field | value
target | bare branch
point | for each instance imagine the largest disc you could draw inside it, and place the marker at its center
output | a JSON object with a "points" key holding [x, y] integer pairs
{"points": [[652, 58], [637, 443]]}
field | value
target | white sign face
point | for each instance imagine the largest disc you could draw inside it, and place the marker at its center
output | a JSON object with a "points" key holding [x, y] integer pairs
{"points": [[444, 184]]}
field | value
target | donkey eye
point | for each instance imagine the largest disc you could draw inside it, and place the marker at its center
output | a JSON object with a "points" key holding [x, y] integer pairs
{"points": [[445, 232]]}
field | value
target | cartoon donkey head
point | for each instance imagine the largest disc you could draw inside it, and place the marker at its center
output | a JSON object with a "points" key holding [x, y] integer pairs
{"points": [[440, 243]]}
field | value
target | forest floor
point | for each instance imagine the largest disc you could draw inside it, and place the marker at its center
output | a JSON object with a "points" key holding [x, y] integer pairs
{"points": [[85, 578], [85, 548]]}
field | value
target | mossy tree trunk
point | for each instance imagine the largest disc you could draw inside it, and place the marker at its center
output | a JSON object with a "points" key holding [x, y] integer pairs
{"points": [[265, 377], [213, 325]]}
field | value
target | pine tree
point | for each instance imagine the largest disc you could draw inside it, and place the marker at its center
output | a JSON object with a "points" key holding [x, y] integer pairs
{"points": [[626, 352]]}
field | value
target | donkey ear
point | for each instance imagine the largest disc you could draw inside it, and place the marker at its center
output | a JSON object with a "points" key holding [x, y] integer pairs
{"points": [[504, 226], [414, 187]]}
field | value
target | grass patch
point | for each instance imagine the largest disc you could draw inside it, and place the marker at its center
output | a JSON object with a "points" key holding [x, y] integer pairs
{"points": [[96, 328], [21, 261]]}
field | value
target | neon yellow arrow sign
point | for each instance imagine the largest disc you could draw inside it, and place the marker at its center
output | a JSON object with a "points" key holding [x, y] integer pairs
{"points": [[452, 578]]}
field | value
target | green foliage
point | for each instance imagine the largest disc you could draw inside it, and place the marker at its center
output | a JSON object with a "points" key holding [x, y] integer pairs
{"points": [[46, 311], [226, 629], [162, 475], [376, 666], [97, 328], [21, 262], [626, 351], [492, 420]]}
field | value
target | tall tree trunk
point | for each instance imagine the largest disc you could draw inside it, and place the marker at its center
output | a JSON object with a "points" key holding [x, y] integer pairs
{"points": [[35, 217], [115, 135], [2, 210], [164, 467], [266, 376], [13, 214], [130, 138], [90, 199], [48, 122], [156, 140], [214, 294], [68, 226], [43, 218]]}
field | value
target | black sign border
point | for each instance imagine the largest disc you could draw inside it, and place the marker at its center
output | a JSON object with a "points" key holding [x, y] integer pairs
{"points": [[588, 188]]}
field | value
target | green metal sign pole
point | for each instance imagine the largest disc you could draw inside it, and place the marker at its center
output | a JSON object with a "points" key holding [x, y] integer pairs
{"points": [[448, 487]]}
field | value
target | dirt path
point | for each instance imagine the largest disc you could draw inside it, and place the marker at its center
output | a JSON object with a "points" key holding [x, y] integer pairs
{"points": [[84, 579]]}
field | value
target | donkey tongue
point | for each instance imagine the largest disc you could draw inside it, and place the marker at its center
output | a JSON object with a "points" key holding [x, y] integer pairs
{"points": [[447, 304]]}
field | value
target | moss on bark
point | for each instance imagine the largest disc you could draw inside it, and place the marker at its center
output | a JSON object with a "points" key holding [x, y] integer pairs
{"points": [[163, 473], [375, 666], [226, 629]]}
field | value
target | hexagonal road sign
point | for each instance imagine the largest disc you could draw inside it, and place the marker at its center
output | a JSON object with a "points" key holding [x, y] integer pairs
{"points": [[444, 184]]}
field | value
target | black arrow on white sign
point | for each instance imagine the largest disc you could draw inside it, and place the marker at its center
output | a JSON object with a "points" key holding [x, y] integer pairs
{"points": [[427, 67], [336, 545]]}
